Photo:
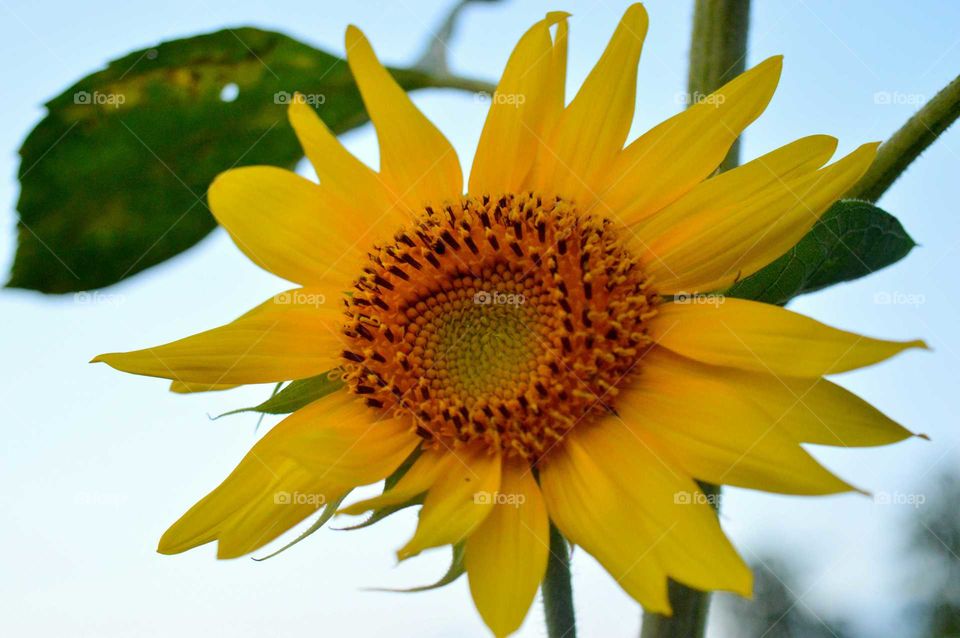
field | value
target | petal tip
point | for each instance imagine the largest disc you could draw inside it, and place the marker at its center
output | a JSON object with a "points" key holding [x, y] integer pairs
{"points": [[353, 37], [167, 546], [636, 16]]}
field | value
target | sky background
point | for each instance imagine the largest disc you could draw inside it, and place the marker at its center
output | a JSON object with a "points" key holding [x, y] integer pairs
{"points": [[96, 464]]}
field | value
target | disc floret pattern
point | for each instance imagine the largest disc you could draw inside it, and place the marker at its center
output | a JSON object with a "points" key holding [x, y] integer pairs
{"points": [[508, 320]]}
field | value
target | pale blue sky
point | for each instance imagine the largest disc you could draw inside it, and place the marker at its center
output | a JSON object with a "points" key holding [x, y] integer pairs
{"points": [[96, 464]]}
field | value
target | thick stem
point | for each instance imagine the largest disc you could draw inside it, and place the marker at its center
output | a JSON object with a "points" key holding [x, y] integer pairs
{"points": [[920, 131], [690, 606], [718, 53], [557, 591]]}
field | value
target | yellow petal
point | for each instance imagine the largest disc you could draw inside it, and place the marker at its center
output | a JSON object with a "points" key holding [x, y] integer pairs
{"points": [[556, 86], [293, 335], [796, 159], [716, 432], [609, 493], [425, 471], [573, 161], [822, 412], [180, 387], [284, 224], [506, 557], [457, 502], [518, 111], [270, 490], [714, 246], [416, 160], [670, 159], [808, 410], [357, 188], [757, 336]]}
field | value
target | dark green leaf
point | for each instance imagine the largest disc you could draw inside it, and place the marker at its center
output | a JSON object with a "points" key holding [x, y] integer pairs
{"points": [[851, 240], [455, 571], [114, 179]]}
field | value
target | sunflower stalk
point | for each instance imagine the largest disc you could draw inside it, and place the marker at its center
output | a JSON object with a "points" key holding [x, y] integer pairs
{"points": [[906, 145], [557, 590], [718, 53]]}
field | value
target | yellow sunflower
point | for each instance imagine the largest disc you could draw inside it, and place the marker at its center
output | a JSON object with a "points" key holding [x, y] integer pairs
{"points": [[545, 342]]}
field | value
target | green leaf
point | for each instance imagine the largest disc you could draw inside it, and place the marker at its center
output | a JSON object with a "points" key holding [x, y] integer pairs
{"points": [[114, 178], [296, 395], [456, 570], [851, 240]]}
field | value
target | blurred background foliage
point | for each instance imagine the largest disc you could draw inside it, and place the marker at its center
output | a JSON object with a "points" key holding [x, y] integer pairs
{"points": [[930, 537]]}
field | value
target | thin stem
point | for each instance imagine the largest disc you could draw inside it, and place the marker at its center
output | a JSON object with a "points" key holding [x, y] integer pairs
{"points": [[557, 591], [920, 131], [459, 82], [718, 53]]}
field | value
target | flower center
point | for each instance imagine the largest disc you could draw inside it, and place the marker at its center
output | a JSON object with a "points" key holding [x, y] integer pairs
{"points": [[509, 321]]}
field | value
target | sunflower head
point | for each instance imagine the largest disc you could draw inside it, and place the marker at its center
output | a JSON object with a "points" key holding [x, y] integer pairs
{"points": [[503, 320], [540, 337]]}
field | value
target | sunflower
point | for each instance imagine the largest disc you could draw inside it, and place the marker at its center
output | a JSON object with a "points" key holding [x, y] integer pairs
{"points": [[552, 345]]}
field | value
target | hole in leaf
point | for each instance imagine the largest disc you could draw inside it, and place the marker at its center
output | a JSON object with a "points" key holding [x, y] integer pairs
{"points": [[229, 92]]}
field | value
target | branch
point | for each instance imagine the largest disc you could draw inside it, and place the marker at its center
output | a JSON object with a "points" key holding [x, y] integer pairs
{"points": [[906, 145]]}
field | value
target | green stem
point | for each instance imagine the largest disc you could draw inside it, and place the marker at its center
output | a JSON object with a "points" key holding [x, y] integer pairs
{"points": [[920, 131], [690, 606], [557, 591], [718, 53]]}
